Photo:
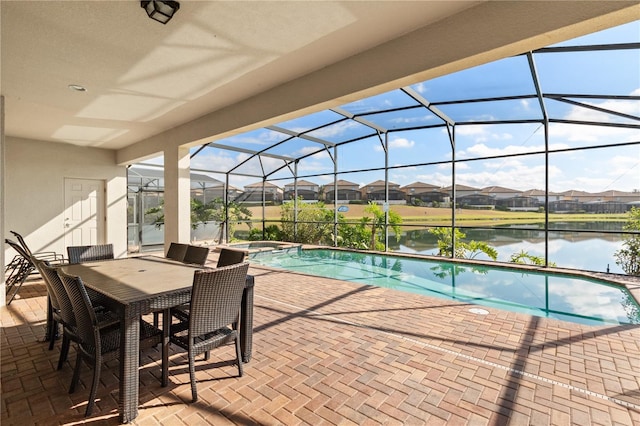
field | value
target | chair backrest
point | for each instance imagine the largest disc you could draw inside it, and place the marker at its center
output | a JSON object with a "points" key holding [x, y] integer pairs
{"points": [[65, 306], [53, 298], [216, 297], [22, 243], [79, 254], [177, 251], [86, 321], [17, 247], [196, 255], [230, 257]]}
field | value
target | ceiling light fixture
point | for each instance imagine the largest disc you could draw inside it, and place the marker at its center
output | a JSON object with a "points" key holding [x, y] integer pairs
{"points": [[160, 10]]}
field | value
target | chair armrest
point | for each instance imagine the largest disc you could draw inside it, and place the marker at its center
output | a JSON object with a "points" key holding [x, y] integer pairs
{"points": [[106, 319]]}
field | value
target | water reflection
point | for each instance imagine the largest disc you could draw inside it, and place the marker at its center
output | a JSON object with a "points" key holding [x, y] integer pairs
{"points": [[592, 251]]}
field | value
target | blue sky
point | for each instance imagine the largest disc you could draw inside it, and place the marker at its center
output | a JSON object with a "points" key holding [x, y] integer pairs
{"points": [[580, 73]]}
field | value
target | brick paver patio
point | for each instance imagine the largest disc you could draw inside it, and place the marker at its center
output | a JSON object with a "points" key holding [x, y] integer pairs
{"points": [[328, 352]]}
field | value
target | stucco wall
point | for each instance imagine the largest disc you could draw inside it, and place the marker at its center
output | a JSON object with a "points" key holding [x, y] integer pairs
{"points": [[34, 191]]}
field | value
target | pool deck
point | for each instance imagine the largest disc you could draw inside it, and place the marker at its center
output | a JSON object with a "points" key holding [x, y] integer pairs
{"points": [[329, 352]]}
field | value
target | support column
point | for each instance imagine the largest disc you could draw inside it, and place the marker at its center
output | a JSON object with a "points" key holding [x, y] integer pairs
{"points": [[2, 203], [177, 196]]}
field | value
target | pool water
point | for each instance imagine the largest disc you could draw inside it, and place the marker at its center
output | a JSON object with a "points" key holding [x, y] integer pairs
{"points": [[579, 300]]}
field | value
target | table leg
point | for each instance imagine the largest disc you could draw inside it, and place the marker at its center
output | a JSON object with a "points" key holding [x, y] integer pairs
{"points": [[129, 362], [49, 319], [246, 320], [166, 324]]}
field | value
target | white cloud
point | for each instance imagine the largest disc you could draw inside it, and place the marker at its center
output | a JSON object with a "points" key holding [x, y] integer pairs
{"points": [[482, 150], [623, 106], [437, 179], [414, 120], [420, 88], [598, 134], [398, 143], [335, 129], [401, 143], [503, 163], [252, 138], [471, 130], [502, 136], [312, 166], [591, 134], [619, 163], [459, 166], [311, 149], [223, 161], [511, 174]]}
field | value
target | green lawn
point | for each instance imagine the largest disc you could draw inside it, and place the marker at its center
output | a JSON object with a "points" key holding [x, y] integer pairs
{"points": [[442, 216]]}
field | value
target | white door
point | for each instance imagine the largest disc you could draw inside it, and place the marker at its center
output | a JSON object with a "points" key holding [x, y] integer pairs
{"points": [[84, 214]]}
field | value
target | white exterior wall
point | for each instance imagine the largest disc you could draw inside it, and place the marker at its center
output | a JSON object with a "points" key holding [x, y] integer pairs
{"points": [[34, 192]]}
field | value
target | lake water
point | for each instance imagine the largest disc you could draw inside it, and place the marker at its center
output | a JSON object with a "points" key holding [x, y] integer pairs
{"points": [[591, 251]]}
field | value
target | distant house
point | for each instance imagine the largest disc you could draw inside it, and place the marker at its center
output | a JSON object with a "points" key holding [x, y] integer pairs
{"points": [[579, 196], [540, 195], [420, 192], [209, 194], [619, 196], [519, 203], [476, 201], [606, 207], [461, 190], [308, 191], [565, 206], [611, 201], [499, 192], [347, 191], [234, 193], [375, 191], [253, 193]]}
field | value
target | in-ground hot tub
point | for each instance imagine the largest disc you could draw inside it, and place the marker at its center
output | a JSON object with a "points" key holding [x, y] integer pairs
{"points": [[256, 247]]}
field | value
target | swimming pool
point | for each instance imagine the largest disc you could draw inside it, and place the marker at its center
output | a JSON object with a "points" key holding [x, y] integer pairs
{"points": [[564, 297]]}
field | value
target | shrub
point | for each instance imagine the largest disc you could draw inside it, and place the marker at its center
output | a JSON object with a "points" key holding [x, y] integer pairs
{"points": [[628, 257]]}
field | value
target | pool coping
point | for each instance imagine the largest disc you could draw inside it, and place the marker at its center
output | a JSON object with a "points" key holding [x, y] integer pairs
{"points": [[281, 245]]}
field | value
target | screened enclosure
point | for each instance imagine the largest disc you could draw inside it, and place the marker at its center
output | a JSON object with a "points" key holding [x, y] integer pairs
{"points": [[536, 154], [145, 198]]}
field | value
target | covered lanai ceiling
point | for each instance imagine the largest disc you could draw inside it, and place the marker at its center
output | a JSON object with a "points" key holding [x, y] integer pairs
{"points": [[143, 77]]}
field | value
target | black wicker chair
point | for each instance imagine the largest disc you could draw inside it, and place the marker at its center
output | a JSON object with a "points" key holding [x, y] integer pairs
{"points": [[62, 304], [79, 254], [196, 255], [214, 315], [56, 315], [177, 251], [227, 257], [230, 257], [97, 342]]}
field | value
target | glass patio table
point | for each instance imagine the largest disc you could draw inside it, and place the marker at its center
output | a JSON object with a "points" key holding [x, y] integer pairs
{"points": [[137, 286]]}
